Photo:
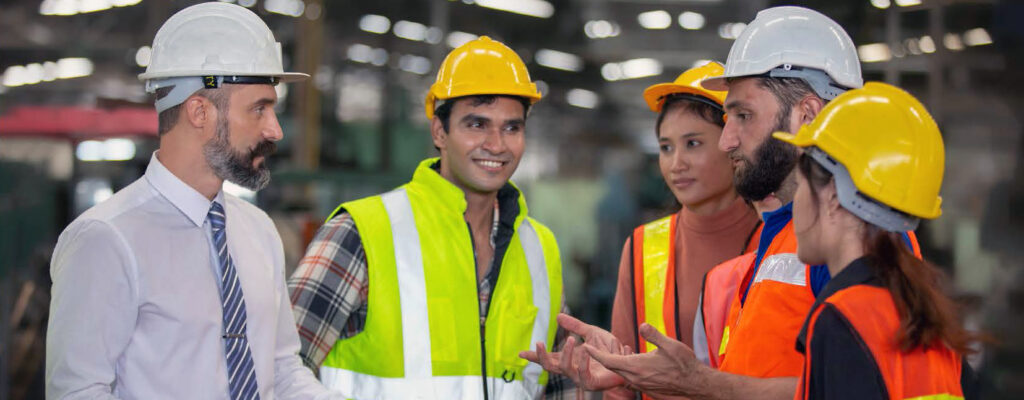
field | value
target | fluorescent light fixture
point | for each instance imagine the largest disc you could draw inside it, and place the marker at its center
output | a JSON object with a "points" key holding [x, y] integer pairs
{"points": [[434, 35], [600, 29], [882, 4], [977, 37], [415, 64], [559, 60], [699, 63], [119, 150], [68, 68], [88, 6], [913, 46], [582, 98], [90, 150], [411, 30], [58, 7], [33, 73], [360, 53], [952, 41], [533, 8], [632, 69], [143, 55], [374, 23], [691, 20], [657, 19], [874, 52], [49, 71], [731, 30], [908, 3], [927, 44], [292, 8], [125, 3], [457, 38], [14, 76]]}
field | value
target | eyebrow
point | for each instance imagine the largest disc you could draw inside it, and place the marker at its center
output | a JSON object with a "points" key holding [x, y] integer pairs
{"points": [[478, 117], [266, 101], [735, 104], [688, 135]]}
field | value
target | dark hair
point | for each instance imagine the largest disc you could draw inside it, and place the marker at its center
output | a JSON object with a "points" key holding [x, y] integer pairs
{"points": [[705, 111], [168, 118], [788, 92], [927, 316], [444, 111]]}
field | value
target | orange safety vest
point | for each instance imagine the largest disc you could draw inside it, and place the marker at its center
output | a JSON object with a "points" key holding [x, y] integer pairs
{"points": [[720, 286], [759, 334], [654, 284], [920, 374]]}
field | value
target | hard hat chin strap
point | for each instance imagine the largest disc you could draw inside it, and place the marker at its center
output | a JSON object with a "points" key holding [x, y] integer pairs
{"points": [[820, 82], [184, 86], [857, 203]]}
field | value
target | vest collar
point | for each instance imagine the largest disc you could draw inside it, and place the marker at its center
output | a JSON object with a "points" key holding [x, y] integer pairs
{"points": [[859, 272], [428, 179]]}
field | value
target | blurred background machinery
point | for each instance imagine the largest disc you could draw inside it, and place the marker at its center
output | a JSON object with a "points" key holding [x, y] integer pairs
{"points": [[76, 126]]}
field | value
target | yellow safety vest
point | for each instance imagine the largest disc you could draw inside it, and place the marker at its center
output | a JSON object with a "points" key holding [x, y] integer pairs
{"points": [[422, 338]]}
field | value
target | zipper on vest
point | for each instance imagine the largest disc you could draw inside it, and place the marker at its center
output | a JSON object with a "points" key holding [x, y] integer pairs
{"points": [[483, 317]]}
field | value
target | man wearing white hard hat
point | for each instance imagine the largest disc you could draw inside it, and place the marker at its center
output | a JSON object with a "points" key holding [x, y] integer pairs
{"points": [[782, 70], [173, 289]]}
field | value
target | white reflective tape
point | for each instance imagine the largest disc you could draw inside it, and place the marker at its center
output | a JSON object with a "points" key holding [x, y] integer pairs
{"points": [[534, 252], [367, 387], [785, 268], [700, 338], [412, 287]]}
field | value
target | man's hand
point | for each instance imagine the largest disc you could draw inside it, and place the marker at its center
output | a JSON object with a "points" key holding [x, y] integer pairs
{"points": [[671, 369], [573, 361]]}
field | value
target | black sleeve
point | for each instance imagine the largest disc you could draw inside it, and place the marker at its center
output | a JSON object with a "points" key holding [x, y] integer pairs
{"points": [[969, 381], [842, 366]]}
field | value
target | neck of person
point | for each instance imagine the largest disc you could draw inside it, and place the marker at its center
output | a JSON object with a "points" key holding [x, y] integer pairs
{"points": [[480, 211], [847, 247], [185, 159], [714, 204], [780, 197]]}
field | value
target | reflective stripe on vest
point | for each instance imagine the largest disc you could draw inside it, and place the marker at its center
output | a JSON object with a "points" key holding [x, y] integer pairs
{"points": [[422, 334], [654, 278], [710, 326], [932, 374]]}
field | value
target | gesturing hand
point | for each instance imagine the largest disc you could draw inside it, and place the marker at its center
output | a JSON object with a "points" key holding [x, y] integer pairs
{"points": [[671, 369], [574, 362]]}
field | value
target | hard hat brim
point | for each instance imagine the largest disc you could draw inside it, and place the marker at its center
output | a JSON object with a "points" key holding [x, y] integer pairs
{"points": [[797, 140], [655, 94], [285, 77]]}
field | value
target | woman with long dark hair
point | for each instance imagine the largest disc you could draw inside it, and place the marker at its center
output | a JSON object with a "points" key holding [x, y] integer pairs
{"points": [[882, 328]]}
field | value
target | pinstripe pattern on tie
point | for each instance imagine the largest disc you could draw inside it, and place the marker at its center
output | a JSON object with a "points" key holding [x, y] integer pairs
{"points": [[241, 372]]}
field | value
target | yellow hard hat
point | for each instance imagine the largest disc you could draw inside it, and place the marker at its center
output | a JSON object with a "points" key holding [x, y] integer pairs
{"points": [[888, 143], [688, 83], [481, 66]]}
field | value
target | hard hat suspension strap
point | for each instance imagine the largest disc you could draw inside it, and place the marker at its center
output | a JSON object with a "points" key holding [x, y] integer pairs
{"points": [[184, 86], [820, 82]]}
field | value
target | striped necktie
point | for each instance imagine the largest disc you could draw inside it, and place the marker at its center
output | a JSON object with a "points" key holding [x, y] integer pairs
{"points": [[241, 373]]}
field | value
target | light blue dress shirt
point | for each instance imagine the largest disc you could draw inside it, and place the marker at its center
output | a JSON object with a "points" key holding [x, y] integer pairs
{"points": [[136, 310]]}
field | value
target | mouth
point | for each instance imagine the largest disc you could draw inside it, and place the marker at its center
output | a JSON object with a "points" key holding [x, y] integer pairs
{"points": [[490, 165], [683, 183]]}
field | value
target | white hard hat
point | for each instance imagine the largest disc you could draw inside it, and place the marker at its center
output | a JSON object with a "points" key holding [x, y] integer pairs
{"points": [[212, 43], [794, 42]]}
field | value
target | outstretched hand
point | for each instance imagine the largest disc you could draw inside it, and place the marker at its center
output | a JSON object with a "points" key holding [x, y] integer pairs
{"points": [[573, 361], [671, 369]]}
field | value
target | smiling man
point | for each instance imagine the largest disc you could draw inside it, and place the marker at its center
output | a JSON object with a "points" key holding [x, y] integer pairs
{"points": [[431, 290]]}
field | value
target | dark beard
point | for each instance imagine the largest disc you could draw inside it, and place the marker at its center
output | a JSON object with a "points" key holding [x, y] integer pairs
{"points": [[236, 166], [773, 161]]}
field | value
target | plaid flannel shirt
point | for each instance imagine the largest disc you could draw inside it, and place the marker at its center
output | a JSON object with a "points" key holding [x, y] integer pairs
{"points": [[329, 296]]}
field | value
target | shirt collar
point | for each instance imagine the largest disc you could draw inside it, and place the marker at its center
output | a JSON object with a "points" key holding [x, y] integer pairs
{"points": [[185, 198]]}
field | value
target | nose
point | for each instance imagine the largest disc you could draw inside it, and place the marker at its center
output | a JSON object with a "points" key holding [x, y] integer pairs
{"points": [[679, 161], [730, 138], [272, 128], [494, 142]]}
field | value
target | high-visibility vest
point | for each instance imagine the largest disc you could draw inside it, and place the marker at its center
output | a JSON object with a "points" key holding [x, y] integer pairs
{"points": [[919, 374], [759, 334], [719, 288], [654, 278], [423, 337]]}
